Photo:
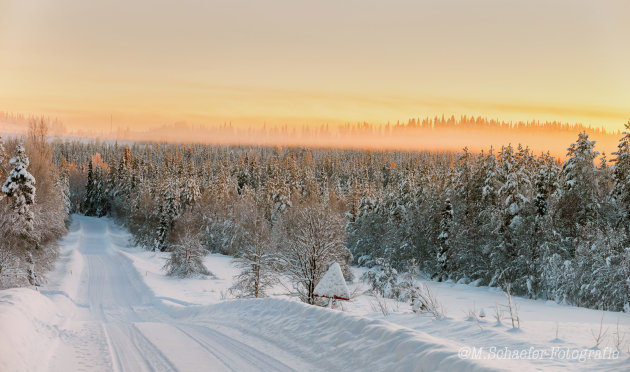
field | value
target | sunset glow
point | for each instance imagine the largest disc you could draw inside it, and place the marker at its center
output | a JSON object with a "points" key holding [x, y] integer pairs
{"points": [[330, 185], [146, 64]]}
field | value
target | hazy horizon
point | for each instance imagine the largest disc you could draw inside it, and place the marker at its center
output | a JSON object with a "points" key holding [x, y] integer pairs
{"points": [[143, 65], [477, 134]]}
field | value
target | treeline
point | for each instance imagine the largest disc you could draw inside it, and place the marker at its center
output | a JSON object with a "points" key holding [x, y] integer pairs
{"points": [[550, 230], [474, 123], [418, 126], [34, 206]]}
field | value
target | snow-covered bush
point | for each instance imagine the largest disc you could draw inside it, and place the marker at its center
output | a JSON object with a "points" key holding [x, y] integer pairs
{"points": [[382, 279], [424, 301], [11, 272], [308, 239], [254, 257], [385, 281], [186, 258], [257, 273]]}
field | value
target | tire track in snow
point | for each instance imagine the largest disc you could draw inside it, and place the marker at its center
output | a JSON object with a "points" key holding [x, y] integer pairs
{"points": [[209, 349], [125, 327], [215, 340], [132, 351]]}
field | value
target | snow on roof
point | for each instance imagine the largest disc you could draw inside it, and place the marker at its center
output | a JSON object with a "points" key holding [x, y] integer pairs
{"points": [[333, 285]]}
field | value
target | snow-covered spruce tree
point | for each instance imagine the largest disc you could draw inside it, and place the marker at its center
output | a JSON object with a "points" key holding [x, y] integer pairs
{"points": [[576, 216], [545, 183], [466, 242], [512, 260], [602, 269], [169, 207], [88, 207], [544, 243], [489, 217], [604, 179], [401, 202], [96, 201], [489, 170], [190, 193], [443, 259], [368, 231], [309, 238], [578, 204], [101, 201], [3, 162], [20, 187], [117, 182], [63, 184], [621, 176], [279, 195], [186, 258], [255, 258], [422, 223]]}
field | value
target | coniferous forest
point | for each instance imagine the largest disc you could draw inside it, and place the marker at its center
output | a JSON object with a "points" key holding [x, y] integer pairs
{"points": [[548, 229]]}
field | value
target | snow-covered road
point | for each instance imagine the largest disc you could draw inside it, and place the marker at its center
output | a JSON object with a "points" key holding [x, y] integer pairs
{"points": [[97, 313], [118, 324], [108, 307]]}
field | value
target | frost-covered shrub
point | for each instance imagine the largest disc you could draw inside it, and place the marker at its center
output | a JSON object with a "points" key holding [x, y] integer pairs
{"points": [[407, 286], [11, 272], [222, 236], [308, 239], [257, 273], [255, 259], [603, 270], [386, 282], [424, 301], [186, 257], [559, 276], [382, 279], [597, 276]]}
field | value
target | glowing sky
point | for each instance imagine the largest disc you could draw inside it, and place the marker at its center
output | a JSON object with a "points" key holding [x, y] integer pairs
{"points": [[206, 61]]}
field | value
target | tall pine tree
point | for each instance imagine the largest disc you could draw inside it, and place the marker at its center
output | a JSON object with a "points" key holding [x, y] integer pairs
{"points": [[20, 186]]}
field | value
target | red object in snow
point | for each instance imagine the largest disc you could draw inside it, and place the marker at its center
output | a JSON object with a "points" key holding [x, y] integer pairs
{"points": [[333, 297], [332, 285]]}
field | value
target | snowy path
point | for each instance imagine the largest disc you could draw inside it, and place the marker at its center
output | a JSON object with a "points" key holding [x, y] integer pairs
{"points": [[118, 324], [109, 307]]}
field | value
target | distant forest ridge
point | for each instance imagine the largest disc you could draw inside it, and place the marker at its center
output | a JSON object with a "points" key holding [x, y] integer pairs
{"points": [[429, 133]]}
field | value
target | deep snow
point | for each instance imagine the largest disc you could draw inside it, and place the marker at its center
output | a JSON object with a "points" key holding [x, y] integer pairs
{"points": [[108, 306]]}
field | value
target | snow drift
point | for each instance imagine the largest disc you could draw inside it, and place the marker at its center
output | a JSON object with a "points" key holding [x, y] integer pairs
{"points": [[336, 340], [27, 323]]}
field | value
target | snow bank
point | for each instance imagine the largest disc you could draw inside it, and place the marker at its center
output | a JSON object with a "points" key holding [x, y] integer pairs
{"points": [[65, 279], [27, 328], [334, 339]]}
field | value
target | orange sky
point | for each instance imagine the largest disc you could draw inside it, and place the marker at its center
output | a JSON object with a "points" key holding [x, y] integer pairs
{"points": [[150, 63]]}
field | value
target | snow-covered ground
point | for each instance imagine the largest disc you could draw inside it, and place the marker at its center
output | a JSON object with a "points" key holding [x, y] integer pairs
{"points": [[109, 306]]}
